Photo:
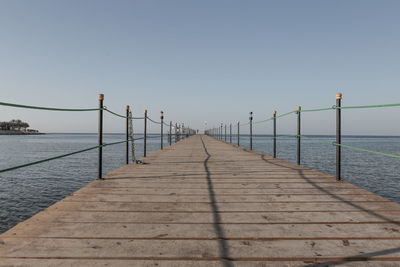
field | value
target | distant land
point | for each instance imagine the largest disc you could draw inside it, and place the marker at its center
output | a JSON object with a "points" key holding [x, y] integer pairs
{"points": [[16, 127]]}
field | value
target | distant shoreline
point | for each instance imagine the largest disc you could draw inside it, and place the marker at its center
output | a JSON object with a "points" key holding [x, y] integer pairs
{"points": [[2, 132]]}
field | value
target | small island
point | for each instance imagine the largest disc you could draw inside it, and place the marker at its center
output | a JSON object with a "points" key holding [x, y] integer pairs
{"points": [[16, 127]]}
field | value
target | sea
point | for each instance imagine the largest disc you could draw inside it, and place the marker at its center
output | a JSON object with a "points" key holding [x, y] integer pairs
{"points": [[26, 191]]}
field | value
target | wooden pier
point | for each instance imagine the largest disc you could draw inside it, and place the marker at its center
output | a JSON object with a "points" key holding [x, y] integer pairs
{"points": [[203, 202]]}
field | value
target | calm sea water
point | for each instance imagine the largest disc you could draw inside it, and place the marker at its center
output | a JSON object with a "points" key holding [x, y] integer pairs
{"points": [[26, 191]]}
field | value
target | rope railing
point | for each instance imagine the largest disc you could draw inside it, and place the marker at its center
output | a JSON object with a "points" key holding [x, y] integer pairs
{"points": [[218, 132], [153, 121], [341, 145], [65, 109], [59, 156], [47, 108], [323, 109], [114, 113], [129, 133], [319, 109]]}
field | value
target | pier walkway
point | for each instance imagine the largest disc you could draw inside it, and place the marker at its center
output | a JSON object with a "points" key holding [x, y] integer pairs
{"points": [[202, 202]]}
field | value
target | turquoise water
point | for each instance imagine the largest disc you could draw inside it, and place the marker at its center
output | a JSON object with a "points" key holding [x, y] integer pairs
{"points": [[26, 191]]}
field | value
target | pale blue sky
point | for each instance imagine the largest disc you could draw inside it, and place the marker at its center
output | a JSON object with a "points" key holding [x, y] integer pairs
{"points": [[201, 61]]}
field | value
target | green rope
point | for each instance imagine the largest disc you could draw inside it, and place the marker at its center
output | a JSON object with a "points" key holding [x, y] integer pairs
{"points": [[153, 120], [65, 109], [47, 108], [324, 109], [348, 146], [269, 119], [369, 106], [368, 150], [272, 118], [122, 116], [116, 114], [317, 109], [60, 156], [287, 113]]}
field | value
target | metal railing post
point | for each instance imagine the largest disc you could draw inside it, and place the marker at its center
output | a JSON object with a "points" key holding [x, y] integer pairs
{"points": [[274, 133], [338, 135], [100, 137], [251, 130], [127, 136], [230, 133], [179, 132], [145, 134], [170, 132], [225, 132], [176, 132], [162, 128], [238, 126], [298, 134]]}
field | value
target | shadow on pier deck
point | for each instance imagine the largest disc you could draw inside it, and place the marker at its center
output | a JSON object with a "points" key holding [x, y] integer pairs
{"points": [[202, 202]]}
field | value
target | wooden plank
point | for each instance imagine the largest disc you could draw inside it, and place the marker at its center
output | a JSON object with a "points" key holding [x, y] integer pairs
{"points": [[222, 207], [205, 231], [197, 249], [238, 217]]}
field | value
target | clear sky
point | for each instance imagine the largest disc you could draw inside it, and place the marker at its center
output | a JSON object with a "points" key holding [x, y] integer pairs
{"points": [[201, 61]]}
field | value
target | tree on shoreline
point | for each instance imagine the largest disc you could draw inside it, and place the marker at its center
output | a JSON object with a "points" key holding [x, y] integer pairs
{"points": [[14, 125]]}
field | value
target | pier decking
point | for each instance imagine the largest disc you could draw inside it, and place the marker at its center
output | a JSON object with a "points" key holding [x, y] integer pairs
{"points": [[202, 202]]}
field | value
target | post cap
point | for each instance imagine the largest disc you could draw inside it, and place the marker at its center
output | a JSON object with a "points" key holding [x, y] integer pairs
{"points": [[101, 97], [274, 112], [145, 111], [162, 112], [127, 107], [298, 108], [339, 96]]}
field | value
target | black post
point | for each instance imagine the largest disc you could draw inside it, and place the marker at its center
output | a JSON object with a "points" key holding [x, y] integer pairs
{"points": [[145, 133], [298, 134], [238, 124], [179, 132], [176, 133], [170, 132], [251, 130], [127, 135], [225, 132], [230, 133], [220, 136], [100, 163], [274, 134], [338, 135], [162, 128]]}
